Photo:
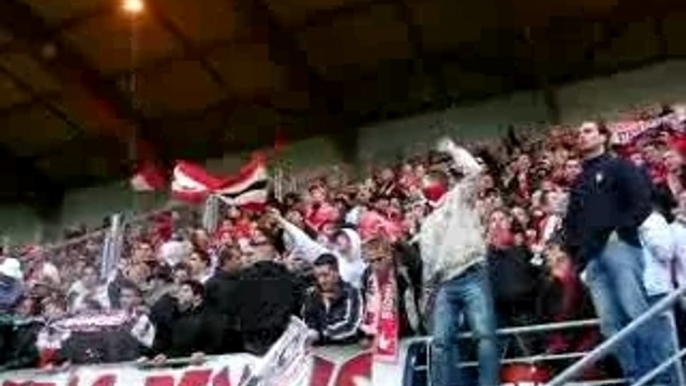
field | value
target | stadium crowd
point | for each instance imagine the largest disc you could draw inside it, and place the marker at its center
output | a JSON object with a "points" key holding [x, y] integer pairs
{"points": [[332, 255]]}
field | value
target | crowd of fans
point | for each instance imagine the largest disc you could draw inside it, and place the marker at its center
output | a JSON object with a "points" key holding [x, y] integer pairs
{"points": [[322, 254]]}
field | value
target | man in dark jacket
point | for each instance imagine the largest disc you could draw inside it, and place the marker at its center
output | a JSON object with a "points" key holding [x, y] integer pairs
{"points": [[222, 296], [334, 309], [195, 330], [268, 294], [609, 202]]}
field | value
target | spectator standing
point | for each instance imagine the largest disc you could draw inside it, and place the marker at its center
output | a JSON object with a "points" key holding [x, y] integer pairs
{"points": [[386, 277], [453, 251], [513, 277], [268, 294], [200, 263], [349, 248], [608, 203], [195, 331], [222, 293], [668, 189], [333, 309]]}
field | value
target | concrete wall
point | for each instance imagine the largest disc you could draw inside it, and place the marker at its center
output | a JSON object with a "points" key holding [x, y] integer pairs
{"points": [[20, 224], [486, 119], [601, 97], [609, 96], [596, 98]]}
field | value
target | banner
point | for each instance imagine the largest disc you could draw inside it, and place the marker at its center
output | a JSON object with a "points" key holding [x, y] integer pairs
{"points": [[287, 362], [219, 371], [626, 132], [290, 362]]}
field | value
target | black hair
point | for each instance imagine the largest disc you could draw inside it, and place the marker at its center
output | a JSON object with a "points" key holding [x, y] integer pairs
{"points": [[204, 256], [327, 259], [228, 253], [196, 287], [162, 272], [603, 129], [129, 285]]}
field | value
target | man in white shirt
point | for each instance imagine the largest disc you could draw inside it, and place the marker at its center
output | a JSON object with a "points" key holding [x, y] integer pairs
{"points": [[453, 251]]}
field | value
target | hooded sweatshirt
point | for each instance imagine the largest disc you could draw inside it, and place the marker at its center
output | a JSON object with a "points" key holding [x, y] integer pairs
{"points": [[351, 265]]}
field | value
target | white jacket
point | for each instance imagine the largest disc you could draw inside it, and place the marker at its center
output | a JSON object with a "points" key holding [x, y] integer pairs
{"points": [[451, 238], [679, 236], [304, 247], [657, 240]]}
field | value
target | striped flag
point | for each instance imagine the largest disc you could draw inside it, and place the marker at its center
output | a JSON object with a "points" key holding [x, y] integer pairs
{"points": [[248, 188], [192, 183]]}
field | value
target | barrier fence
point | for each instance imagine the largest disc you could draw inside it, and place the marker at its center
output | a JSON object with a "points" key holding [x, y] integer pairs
{"points": [[340, 356]]}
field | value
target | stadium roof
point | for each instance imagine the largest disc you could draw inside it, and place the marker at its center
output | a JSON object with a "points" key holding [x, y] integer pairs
{"points": [[213, 76]]}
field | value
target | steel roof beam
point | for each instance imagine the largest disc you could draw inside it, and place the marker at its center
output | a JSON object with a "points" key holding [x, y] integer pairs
{"points": [[98, 98], [284, 50]]}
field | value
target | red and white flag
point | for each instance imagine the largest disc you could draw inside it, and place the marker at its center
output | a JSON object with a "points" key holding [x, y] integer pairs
{"points": [[247, 189], [192, 183], [148, 178]]}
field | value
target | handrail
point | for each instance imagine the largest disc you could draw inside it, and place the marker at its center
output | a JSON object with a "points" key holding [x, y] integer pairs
{"points": [[609, 344], [654, 372], [546, 327]]}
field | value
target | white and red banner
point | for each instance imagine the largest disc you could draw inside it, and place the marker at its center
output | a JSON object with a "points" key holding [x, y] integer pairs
{"points": [[192, 183], [340, 366], [219, 371]]}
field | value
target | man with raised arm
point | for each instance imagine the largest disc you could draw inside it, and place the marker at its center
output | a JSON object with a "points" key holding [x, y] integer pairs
{"points": [[453, 250]]}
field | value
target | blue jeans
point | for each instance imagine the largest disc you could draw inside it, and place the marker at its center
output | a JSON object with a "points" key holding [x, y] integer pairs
{"points": [[615, 281], [465, 297]]}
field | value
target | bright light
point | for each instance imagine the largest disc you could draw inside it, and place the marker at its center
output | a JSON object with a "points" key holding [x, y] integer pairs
{"points": [[133, 6]]}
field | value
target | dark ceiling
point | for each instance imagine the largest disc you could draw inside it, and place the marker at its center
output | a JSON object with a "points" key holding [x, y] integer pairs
{"points": [[215, 76]]}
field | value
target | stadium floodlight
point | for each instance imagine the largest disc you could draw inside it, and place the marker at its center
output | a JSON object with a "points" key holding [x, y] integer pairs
{"points": [[133, 6]]}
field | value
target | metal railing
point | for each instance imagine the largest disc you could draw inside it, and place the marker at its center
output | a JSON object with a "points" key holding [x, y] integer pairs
{"points": [[604, 348], [530, 359]]}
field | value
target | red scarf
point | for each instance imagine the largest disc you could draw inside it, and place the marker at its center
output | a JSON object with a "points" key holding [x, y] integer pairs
{"points": [[381, 319]]}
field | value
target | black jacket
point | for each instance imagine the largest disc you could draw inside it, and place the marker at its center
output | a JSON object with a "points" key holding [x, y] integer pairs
{"points": [[193, 330], [18, 343], [221, 294], [514, 281], [268, 294], [339, 322], [610, 195]]}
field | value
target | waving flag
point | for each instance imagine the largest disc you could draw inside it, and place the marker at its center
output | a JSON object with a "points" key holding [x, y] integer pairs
{"points": [[249, 187], [192, 183]]}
